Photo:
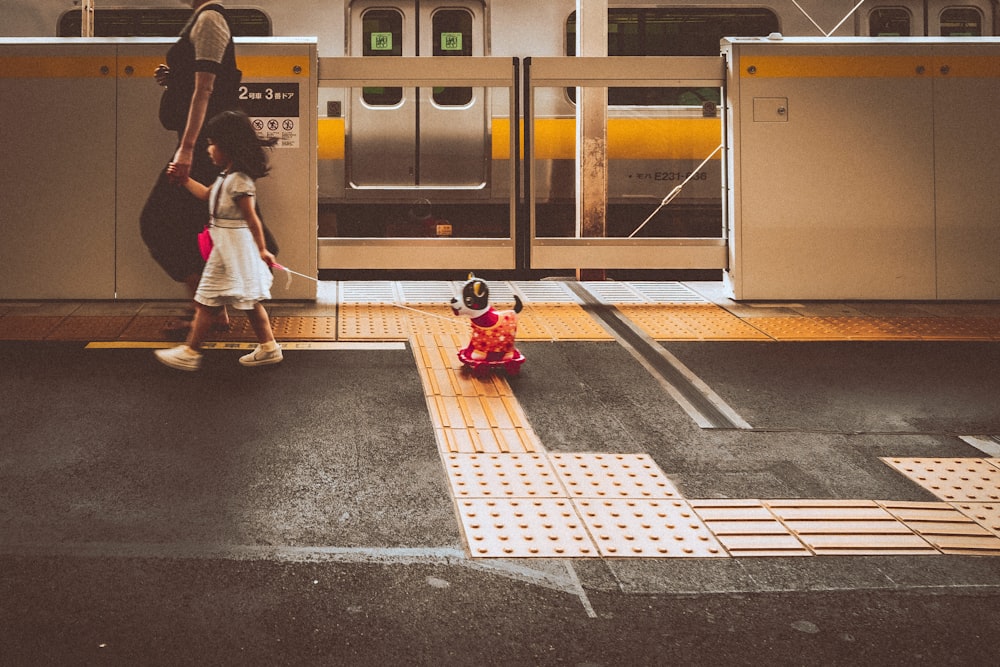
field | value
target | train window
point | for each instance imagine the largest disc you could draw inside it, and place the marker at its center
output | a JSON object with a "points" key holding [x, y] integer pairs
{"points": [[889, 22], [961, 22], [383, 36], [159, 22], [452, 37], [673, 32]]}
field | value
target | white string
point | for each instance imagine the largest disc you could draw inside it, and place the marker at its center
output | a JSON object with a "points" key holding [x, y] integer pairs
{"points": [[676, 191], [288, 284], [836, 27]]}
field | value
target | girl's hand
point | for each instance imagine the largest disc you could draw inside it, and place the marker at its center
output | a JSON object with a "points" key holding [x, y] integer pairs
{"points": [[174, 173], [268, 258]]}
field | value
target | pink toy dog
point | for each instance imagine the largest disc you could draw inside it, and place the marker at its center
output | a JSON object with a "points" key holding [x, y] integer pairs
{"points": [[493, 331]]}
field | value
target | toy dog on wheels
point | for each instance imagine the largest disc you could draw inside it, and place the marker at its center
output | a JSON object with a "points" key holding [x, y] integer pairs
{"points": [[493, 331]]}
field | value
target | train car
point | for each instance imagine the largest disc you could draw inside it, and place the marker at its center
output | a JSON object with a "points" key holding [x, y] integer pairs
{"points": [[398, 161]]}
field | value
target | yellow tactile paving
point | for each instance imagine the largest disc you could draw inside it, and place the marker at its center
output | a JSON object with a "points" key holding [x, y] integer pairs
{"points": [[371, 321], [90, 328], [748, 528], [878, 328], [563, 321], [27, 327], [689, 321], [952, 480], [986, 515], [948, 528], [848, 527], [471, 414]]}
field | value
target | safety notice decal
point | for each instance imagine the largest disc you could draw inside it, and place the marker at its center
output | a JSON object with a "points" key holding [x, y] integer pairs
{"points": [[274, 110]]}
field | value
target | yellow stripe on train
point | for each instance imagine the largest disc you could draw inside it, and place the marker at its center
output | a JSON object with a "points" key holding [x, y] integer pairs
{"points": [[555, 138]]}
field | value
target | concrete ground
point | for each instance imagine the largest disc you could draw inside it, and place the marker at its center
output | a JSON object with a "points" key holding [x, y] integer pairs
{"points": [[300, 514]]}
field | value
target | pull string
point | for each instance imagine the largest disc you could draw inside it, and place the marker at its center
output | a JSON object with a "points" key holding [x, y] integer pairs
{"points": [[676, 191], [824, 32], [288, 284]]}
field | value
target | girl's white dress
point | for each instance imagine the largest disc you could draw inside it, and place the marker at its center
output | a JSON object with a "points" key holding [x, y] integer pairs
{"points": [[234, 274]]}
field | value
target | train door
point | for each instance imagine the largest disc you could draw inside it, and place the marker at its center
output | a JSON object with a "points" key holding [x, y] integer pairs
{"points": [[408, 138]]}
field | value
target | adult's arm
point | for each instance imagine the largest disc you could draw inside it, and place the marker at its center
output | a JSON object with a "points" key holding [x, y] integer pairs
{"points": [[204, 83]]}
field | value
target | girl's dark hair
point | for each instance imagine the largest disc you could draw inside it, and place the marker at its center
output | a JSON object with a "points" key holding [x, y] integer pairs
{"points": [[232, 132]]}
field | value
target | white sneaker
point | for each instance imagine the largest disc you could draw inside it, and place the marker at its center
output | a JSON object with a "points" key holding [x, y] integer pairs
{"points": [[181, 357], [261, 358]]}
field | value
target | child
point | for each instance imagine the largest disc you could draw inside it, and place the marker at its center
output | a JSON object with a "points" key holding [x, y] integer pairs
{"points": [[237, 271]]}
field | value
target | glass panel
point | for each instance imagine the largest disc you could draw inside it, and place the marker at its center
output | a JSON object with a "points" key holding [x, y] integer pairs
{"points": [[889, 22], [452, 37], [383, 36], [673, 32], [961, 22]]}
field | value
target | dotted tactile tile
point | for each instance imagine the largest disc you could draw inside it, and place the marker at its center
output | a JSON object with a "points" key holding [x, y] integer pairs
{"points": [[952, 480], [372, 321], [960, 328], [434, 320], [878, 328], [612, 476], [747, 528], [90, 328], [27, 327], [642, 528], [502, 476], [947, 528], [690, 321], [304, 328], [146, 328], [524, 528], [847, 527], [564, 322]]}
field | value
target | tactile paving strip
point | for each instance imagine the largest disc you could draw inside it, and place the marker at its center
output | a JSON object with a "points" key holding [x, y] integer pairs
{"points": [[90, 328], [690, 321], [563, 322], [848, 527], [524, 528], [612, 476], [949, 529], [952, 480], [470, 414], [986, 515], [27, 327], [372, 321], [747, 528], [648, 528], [876, 328]]}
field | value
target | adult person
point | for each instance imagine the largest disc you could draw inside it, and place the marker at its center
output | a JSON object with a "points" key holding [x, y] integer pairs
{"points": [[200, 80]]}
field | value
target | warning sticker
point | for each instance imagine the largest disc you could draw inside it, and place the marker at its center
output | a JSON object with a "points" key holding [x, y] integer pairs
{"points": [[274, 110]]}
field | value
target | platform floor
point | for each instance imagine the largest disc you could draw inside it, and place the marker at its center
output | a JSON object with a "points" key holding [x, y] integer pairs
{"points": [[660, 439]]}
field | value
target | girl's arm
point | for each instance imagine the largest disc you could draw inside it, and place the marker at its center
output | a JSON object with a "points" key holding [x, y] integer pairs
{"points": [[194, 187], [256, 228]]}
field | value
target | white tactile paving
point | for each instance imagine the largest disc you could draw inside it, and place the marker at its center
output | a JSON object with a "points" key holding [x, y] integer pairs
{"points": [[648, 529], [503, 476], [590, 475], [524, 528]]}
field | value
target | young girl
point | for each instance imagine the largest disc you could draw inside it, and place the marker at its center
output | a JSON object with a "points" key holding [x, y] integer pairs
{"points": [[237, 272]]}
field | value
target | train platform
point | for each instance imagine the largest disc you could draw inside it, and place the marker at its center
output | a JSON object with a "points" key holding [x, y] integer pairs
{"points": [[671, 476]]}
